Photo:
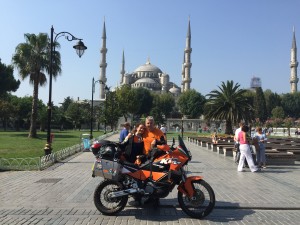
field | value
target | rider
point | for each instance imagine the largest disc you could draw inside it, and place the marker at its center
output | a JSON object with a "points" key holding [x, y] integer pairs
{"points": [[152, 135], [133, 144]]}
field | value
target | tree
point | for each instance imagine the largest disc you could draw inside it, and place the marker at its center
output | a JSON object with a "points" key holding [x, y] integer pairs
{"points": [[162, 106], [260, 108], [191, 103], [7, 81], [272, 100], [124, 96], [74, 113], [288, 123], [112, 112], [7, 110], [141, 102], [229, 104], [22, 116], [278, 112], [291, 104], [32, 60]]}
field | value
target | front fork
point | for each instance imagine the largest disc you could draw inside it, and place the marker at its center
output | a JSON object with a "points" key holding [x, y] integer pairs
{"points": [[186, 186]]}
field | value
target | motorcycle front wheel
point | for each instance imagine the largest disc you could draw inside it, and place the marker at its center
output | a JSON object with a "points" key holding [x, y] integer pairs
{"points": [[105, 204], [201, 204]]}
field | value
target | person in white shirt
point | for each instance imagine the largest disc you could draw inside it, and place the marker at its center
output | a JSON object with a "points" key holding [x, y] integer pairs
{"points": [[163, 129]]}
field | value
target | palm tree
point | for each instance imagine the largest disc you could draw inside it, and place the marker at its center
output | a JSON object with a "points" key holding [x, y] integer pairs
{"points": [[228, 103], [32, 59]]}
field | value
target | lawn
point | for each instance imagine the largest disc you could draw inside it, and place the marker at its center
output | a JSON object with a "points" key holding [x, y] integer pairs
{"points": [[18, 145]]}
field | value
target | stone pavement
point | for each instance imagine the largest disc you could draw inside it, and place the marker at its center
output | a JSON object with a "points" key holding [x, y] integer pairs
{"points": [[63, 194]]}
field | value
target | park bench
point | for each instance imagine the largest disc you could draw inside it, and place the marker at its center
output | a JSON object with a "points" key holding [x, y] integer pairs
{"points": [[220, 147], [280, 158], [228, 150], [295, 152]]}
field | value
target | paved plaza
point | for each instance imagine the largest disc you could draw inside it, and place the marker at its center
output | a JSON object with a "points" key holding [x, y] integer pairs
{"points": [[63, 194]]}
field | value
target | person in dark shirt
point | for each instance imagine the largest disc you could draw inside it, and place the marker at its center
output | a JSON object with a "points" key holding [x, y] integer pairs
{"points": [[124, 131], [134, 144]]}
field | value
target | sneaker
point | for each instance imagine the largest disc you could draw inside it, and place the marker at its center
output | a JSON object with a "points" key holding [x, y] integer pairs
{"points": [[264, 166], [258, 170]]}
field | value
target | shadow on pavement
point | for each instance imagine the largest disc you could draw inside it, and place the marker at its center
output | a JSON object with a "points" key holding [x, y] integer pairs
{"points": [[226, 212]]}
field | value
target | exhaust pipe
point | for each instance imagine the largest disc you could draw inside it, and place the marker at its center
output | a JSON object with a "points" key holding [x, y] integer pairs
{"points": [[116, 194]]}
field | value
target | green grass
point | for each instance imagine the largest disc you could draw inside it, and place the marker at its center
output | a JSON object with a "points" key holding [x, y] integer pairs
{"points": [[18, 145]]}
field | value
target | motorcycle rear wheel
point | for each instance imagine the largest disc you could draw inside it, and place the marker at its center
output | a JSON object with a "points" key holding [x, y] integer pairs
{"points": [[201, 204], [105, 204]]}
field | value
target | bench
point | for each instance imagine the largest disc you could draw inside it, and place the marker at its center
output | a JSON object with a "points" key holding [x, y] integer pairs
{"points": [[295, 152], [228, 151], [221, 147], [280, 158]]}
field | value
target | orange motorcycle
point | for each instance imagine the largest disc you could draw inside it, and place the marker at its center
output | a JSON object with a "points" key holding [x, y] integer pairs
{"points": [[153, 179]]}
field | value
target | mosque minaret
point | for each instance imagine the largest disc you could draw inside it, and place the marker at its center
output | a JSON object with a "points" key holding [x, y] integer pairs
{"points": [[293, 65], [103, 65], [186, 81], [148, 75]]}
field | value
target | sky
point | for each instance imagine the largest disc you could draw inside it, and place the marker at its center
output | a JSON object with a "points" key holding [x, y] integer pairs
{"points": [[231, 40]]}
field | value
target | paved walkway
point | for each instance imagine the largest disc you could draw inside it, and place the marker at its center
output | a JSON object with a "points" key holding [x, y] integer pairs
{"points": [[63, 194]]}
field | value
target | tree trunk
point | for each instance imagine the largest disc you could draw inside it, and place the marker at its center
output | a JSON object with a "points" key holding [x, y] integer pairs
{"points": [[228, 128], [32, 129]]}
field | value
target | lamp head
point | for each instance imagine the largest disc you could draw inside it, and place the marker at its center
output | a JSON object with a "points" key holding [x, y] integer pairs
{"points": [[80, 48]]}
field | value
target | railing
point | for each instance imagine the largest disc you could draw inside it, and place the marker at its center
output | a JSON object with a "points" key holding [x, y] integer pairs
{"points": [[40, 163]]}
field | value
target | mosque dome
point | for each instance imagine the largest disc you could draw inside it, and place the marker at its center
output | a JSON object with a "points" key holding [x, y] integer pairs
{"points": [[174, 90], [148, 67], [145, 80]]}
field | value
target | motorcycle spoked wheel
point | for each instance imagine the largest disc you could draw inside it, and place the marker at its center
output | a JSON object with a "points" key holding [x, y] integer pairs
{"points": [[202, 202], [105, 204]]}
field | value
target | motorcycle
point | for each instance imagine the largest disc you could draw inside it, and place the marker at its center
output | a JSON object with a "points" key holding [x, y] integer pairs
{"points": [[153, 179]]}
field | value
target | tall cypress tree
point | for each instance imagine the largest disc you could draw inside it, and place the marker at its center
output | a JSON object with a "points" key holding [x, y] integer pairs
{"points": [[260, 108]]}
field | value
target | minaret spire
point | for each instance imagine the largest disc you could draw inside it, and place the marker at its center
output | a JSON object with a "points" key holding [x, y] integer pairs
{"points": [[103, 64], [122, 69], [294, 64], [186, 81]]}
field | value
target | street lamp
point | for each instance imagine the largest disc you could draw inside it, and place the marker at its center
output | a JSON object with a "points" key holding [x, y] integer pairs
{"points": [[80, 48], [92, 104], [105, 112]]}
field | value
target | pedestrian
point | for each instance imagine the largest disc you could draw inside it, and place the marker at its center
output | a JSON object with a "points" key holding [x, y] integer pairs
{"points": [[236, 142], [261, 138], [245, 151], [214, 137], [125, 131], [164, 129]]}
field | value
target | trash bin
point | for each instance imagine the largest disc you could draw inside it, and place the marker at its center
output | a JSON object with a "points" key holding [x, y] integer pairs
{"points": [[86, 142]]}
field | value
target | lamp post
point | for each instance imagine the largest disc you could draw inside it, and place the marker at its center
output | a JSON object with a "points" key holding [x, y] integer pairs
{"points": [[80, 48], [105, 111], [92, 104]]}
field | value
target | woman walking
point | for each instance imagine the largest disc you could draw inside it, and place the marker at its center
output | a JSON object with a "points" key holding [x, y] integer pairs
{"points": [[245, 151]]}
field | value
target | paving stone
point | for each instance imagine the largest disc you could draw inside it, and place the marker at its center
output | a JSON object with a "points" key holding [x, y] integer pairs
{"points": [[269, 197]]}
